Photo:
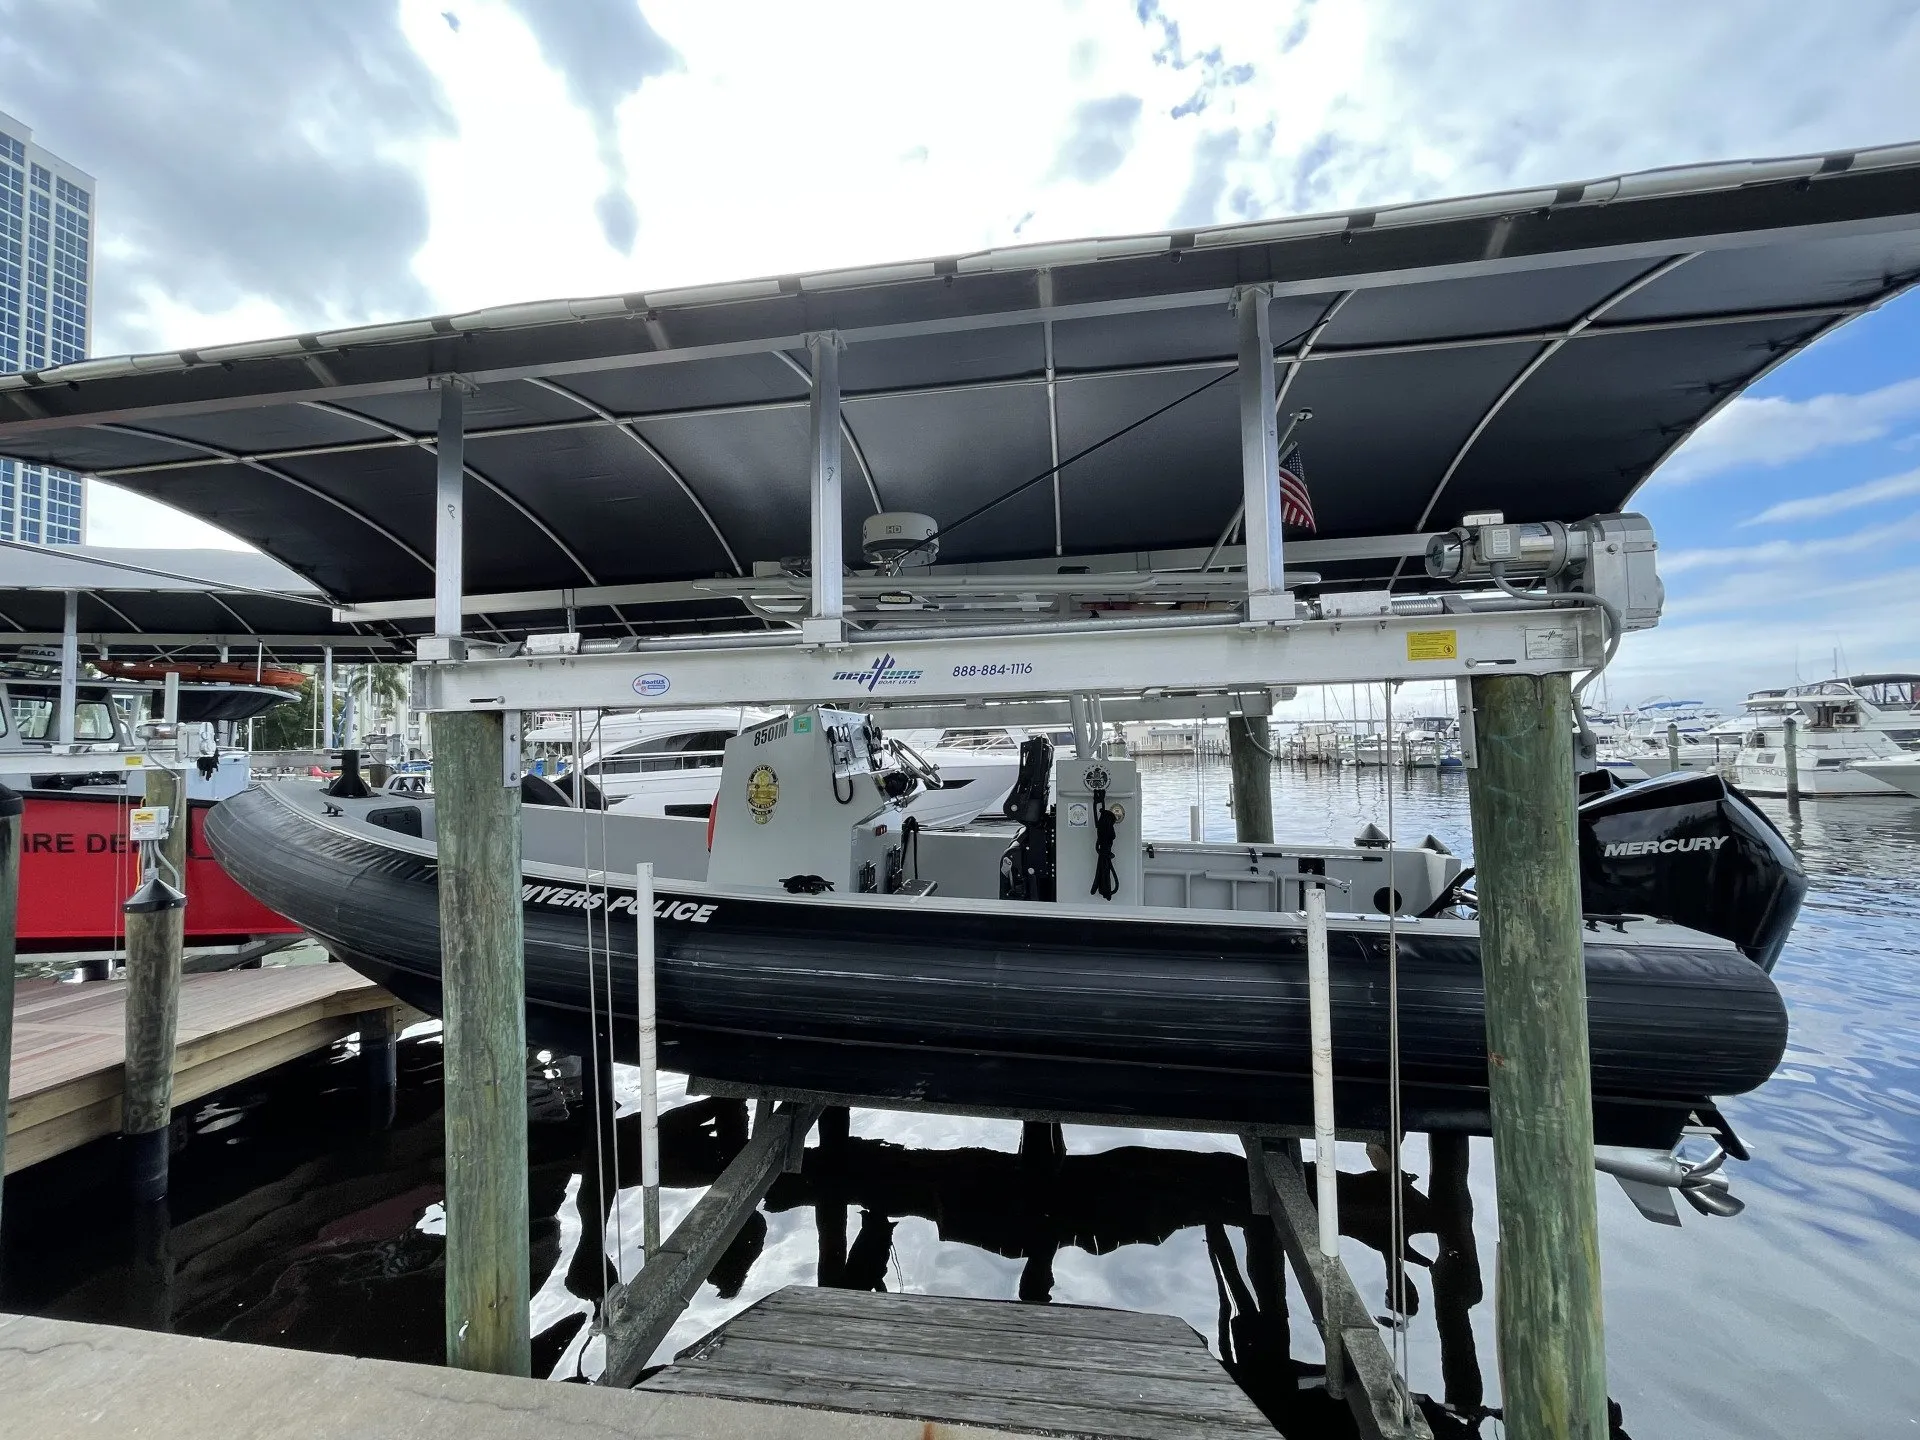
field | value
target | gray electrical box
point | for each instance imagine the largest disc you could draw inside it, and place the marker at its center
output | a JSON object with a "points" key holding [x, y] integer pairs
{"points": [[1621, 567], [803, 795], [1078, 787]]}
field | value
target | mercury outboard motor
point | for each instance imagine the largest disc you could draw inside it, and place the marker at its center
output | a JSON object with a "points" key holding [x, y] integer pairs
{"points": [[1689, 848]]}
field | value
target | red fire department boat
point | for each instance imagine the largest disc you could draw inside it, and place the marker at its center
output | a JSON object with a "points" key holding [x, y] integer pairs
{"points": [[77, 866]]}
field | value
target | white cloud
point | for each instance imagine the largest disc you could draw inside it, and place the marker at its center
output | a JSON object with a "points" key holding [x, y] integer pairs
{"points": [[1776, 552], [1815, 507], [1772, 431], [1771, 627]]}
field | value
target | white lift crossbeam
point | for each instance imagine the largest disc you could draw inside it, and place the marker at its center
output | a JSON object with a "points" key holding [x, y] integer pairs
{"points": [[1097, 658]]}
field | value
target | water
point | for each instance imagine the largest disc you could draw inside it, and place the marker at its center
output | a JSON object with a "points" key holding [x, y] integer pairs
{"points": [[295, 1223]]}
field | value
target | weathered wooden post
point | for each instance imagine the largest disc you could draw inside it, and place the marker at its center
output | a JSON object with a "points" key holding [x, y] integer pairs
{"points": [[1673, 745], [12, 808], [1552, 1344], [481, 940], [1250, 751], [380, 1057], [1456, 1270], [156, 933], [1790, 746]]}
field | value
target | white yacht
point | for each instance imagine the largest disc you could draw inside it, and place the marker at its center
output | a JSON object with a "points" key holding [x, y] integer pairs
{"points": [[1842, 725], [1901, 771], [1638, 745], [667, 762]]}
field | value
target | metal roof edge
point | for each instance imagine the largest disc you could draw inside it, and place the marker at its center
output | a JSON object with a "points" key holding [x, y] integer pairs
{"points": [[1662, 182]]}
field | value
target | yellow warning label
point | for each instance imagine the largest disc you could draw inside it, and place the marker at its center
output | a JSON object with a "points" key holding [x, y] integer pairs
{"points": [[1433, 645]]}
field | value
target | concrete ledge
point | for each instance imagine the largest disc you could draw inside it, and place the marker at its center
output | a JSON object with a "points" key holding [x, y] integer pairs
{"points": [[60, 1379]]}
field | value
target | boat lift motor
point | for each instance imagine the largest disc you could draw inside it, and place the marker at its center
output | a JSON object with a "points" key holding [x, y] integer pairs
{"points": [[1098, 851], [811, 802], [1608, 556]]}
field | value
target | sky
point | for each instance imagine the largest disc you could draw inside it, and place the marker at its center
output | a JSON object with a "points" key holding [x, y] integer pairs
{"points": [[271, 168]]}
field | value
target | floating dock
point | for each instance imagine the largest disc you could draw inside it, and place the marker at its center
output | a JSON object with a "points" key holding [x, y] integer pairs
{"points": [[69, 1044]]}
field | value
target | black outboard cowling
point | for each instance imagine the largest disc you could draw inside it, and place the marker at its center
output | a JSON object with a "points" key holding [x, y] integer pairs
{"points": [[1689, 848]]}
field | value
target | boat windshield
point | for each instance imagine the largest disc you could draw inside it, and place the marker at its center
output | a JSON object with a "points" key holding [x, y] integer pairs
{"points": [[31, 717]]}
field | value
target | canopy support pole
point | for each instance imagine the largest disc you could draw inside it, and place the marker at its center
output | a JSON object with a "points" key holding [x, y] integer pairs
{"points": [[327, 737], [449, 525], [825, 623], [1267, 595], [69, 667]]}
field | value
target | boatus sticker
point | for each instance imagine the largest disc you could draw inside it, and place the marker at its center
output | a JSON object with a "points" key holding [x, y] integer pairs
{"points": [[1622, 848], [574, 897]]}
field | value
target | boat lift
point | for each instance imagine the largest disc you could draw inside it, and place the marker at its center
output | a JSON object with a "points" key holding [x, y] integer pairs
{"points": [[1515, 363]]}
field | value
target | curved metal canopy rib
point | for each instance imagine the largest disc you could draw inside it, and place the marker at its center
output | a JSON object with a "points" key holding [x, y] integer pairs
{"points": [[237, 458], [1531, 368], [431, 446], [653, 451]]}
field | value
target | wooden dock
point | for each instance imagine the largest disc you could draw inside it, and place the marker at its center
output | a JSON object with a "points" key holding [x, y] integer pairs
{"points": [[69, 1044], [62, 1379], [1056, 1369]]}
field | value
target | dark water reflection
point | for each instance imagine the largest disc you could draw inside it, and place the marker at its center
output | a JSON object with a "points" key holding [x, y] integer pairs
{"points": [[293, 1223]]}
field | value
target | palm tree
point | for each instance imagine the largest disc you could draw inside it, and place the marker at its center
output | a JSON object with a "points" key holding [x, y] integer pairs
{"points": [[379, 691]]}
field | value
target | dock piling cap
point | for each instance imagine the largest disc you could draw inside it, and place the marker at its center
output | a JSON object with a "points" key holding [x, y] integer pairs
{"points": [[154, 894]]}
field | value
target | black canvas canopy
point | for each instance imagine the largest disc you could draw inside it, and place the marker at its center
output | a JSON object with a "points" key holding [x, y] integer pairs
{"points": [[180, 603], [1538, 352]]}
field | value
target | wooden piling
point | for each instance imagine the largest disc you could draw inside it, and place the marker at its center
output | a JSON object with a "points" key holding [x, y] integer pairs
{"points": [[1790, 747], [1250, 750], [380, 1057], [1673, 745], [12, 808], [481, 936], [1456, 1271], [154, 941], [1552, 1345]]}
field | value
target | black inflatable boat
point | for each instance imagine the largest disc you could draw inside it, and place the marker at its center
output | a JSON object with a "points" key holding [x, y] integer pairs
{"points": [[1189, 1015]]}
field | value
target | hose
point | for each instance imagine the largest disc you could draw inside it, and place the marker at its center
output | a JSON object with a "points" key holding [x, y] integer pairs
{"points": [[1106, 878]]}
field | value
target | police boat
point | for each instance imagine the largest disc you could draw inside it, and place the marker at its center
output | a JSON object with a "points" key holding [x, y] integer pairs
{"points": [[811, 937]]}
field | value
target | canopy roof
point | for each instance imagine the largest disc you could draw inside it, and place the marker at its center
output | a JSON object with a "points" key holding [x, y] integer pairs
{"points": [[180, 602], [1539, 352]]}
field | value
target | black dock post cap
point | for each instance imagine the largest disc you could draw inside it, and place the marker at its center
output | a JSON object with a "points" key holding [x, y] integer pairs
{"points": [[154, 894], [12, 803]]}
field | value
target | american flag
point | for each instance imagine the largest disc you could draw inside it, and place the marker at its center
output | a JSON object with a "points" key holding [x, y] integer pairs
{"points": [[1296, 505]]}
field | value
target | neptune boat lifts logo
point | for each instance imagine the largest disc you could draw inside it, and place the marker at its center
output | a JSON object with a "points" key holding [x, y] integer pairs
{"points": [[882, 672]]}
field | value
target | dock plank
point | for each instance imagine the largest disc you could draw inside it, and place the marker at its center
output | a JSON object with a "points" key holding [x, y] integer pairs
{"points": [[64, 1378], [1053, 1369], [69, 1044]]}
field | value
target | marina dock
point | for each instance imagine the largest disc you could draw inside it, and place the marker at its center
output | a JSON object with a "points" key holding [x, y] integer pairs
{"points": [[60, 1376], [69, 1044]]}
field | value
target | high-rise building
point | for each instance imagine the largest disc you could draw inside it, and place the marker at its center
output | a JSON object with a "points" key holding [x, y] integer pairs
{"points": [[46, 285]]}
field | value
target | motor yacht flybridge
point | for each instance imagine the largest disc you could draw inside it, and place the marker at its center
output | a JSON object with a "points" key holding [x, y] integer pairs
{"points": [[1852, 736]]}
